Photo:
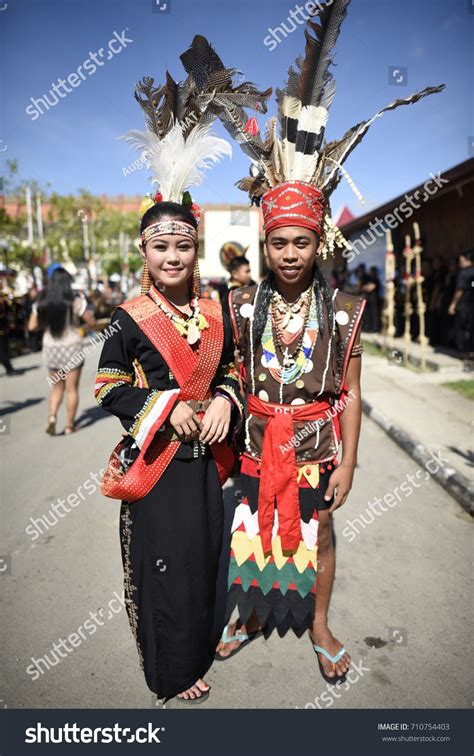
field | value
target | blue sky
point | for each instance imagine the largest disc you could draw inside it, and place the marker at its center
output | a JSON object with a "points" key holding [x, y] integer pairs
{"points": [[74, 144]]}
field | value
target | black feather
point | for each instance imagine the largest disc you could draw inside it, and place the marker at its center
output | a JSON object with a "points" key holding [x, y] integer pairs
{"points": [[200, 60]]}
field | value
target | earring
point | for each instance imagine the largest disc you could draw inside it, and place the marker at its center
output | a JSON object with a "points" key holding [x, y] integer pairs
{"points": [[146, 280], [196, 278]]}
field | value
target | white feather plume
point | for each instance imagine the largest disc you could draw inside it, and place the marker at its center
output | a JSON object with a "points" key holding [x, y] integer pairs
{"points": [[178, 163]]}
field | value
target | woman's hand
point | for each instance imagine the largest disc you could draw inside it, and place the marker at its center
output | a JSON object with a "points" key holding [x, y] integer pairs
{"points": [[33, 324], [185, 422], [341, 479], [216, 421]]}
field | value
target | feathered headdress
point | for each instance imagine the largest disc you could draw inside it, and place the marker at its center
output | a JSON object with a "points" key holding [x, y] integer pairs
{"points": [[299, 155], [178, 145]]}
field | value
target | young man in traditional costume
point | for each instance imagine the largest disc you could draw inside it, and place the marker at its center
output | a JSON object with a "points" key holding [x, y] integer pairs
{"points": [[167, 372], [301, 362]]}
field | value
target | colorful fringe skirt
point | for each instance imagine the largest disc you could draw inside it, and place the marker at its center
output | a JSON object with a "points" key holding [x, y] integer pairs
{"points": [[280, 587]]}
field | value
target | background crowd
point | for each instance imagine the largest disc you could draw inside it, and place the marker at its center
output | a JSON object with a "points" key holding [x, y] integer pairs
{"points": [[448, 295]]}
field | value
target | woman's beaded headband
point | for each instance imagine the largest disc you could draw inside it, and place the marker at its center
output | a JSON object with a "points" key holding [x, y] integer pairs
{"points": [[169, 227]]}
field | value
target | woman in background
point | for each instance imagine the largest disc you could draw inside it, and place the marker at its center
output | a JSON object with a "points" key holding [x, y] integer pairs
{"points": [[58, 312]]}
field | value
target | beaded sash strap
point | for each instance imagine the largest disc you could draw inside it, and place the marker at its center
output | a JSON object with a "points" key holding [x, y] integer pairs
{"points": [[194, 372]]}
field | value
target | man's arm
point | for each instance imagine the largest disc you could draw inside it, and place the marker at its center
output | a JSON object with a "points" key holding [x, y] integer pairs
{"points": [[456, 299], [350, 421]]}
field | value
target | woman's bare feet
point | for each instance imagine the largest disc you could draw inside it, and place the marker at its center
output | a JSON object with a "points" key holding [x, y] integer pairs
{"points": [[235, 628], [195, 691], [322, 636]]}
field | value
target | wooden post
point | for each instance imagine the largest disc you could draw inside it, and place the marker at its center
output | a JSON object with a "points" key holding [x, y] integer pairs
{"points": [[389, 308], [420, 304], [408, 311]]}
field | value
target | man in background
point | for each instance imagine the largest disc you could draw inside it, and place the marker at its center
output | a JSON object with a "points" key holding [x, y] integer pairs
{"points": [[240, 274], [462, 307]]}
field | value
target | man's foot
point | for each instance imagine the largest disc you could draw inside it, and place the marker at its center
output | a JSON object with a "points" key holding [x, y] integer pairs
{"points": [[195, 691], [225, 649], [324, 638]]}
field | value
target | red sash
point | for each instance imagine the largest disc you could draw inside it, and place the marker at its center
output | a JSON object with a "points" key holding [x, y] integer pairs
{"points": [[278, 472], [194, 372]]}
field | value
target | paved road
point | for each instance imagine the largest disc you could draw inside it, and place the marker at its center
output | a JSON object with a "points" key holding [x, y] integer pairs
{"points": [[401, 599]]}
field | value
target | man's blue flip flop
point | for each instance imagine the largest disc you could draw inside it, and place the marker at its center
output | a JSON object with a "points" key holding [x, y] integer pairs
{"points": [[333, 660]]}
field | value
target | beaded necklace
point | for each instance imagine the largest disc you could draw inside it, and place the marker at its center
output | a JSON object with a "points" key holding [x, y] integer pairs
{"points": [[288, 359], [301, 362], [189, 327], [292, 320]]}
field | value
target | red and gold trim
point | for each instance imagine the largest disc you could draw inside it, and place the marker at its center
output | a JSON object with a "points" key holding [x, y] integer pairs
{"points": [[107, 380], [152, 416], [140, 380]]}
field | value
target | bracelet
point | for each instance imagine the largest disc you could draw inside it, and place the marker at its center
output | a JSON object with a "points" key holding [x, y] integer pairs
{"points": [[224, 396], [356, 350]]}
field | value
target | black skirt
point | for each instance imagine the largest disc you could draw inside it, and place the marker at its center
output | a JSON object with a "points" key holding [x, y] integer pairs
{"points": [[171, 541]]}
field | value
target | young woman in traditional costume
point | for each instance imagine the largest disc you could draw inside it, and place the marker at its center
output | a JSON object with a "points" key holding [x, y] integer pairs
{"points": [[168, 374], [301, 362]]}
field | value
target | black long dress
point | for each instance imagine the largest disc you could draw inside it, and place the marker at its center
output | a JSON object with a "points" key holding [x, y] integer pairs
{"points": [[171, 539]]}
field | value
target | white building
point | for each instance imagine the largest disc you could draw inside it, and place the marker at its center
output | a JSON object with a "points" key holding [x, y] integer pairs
{"points": [[239, 225]]}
